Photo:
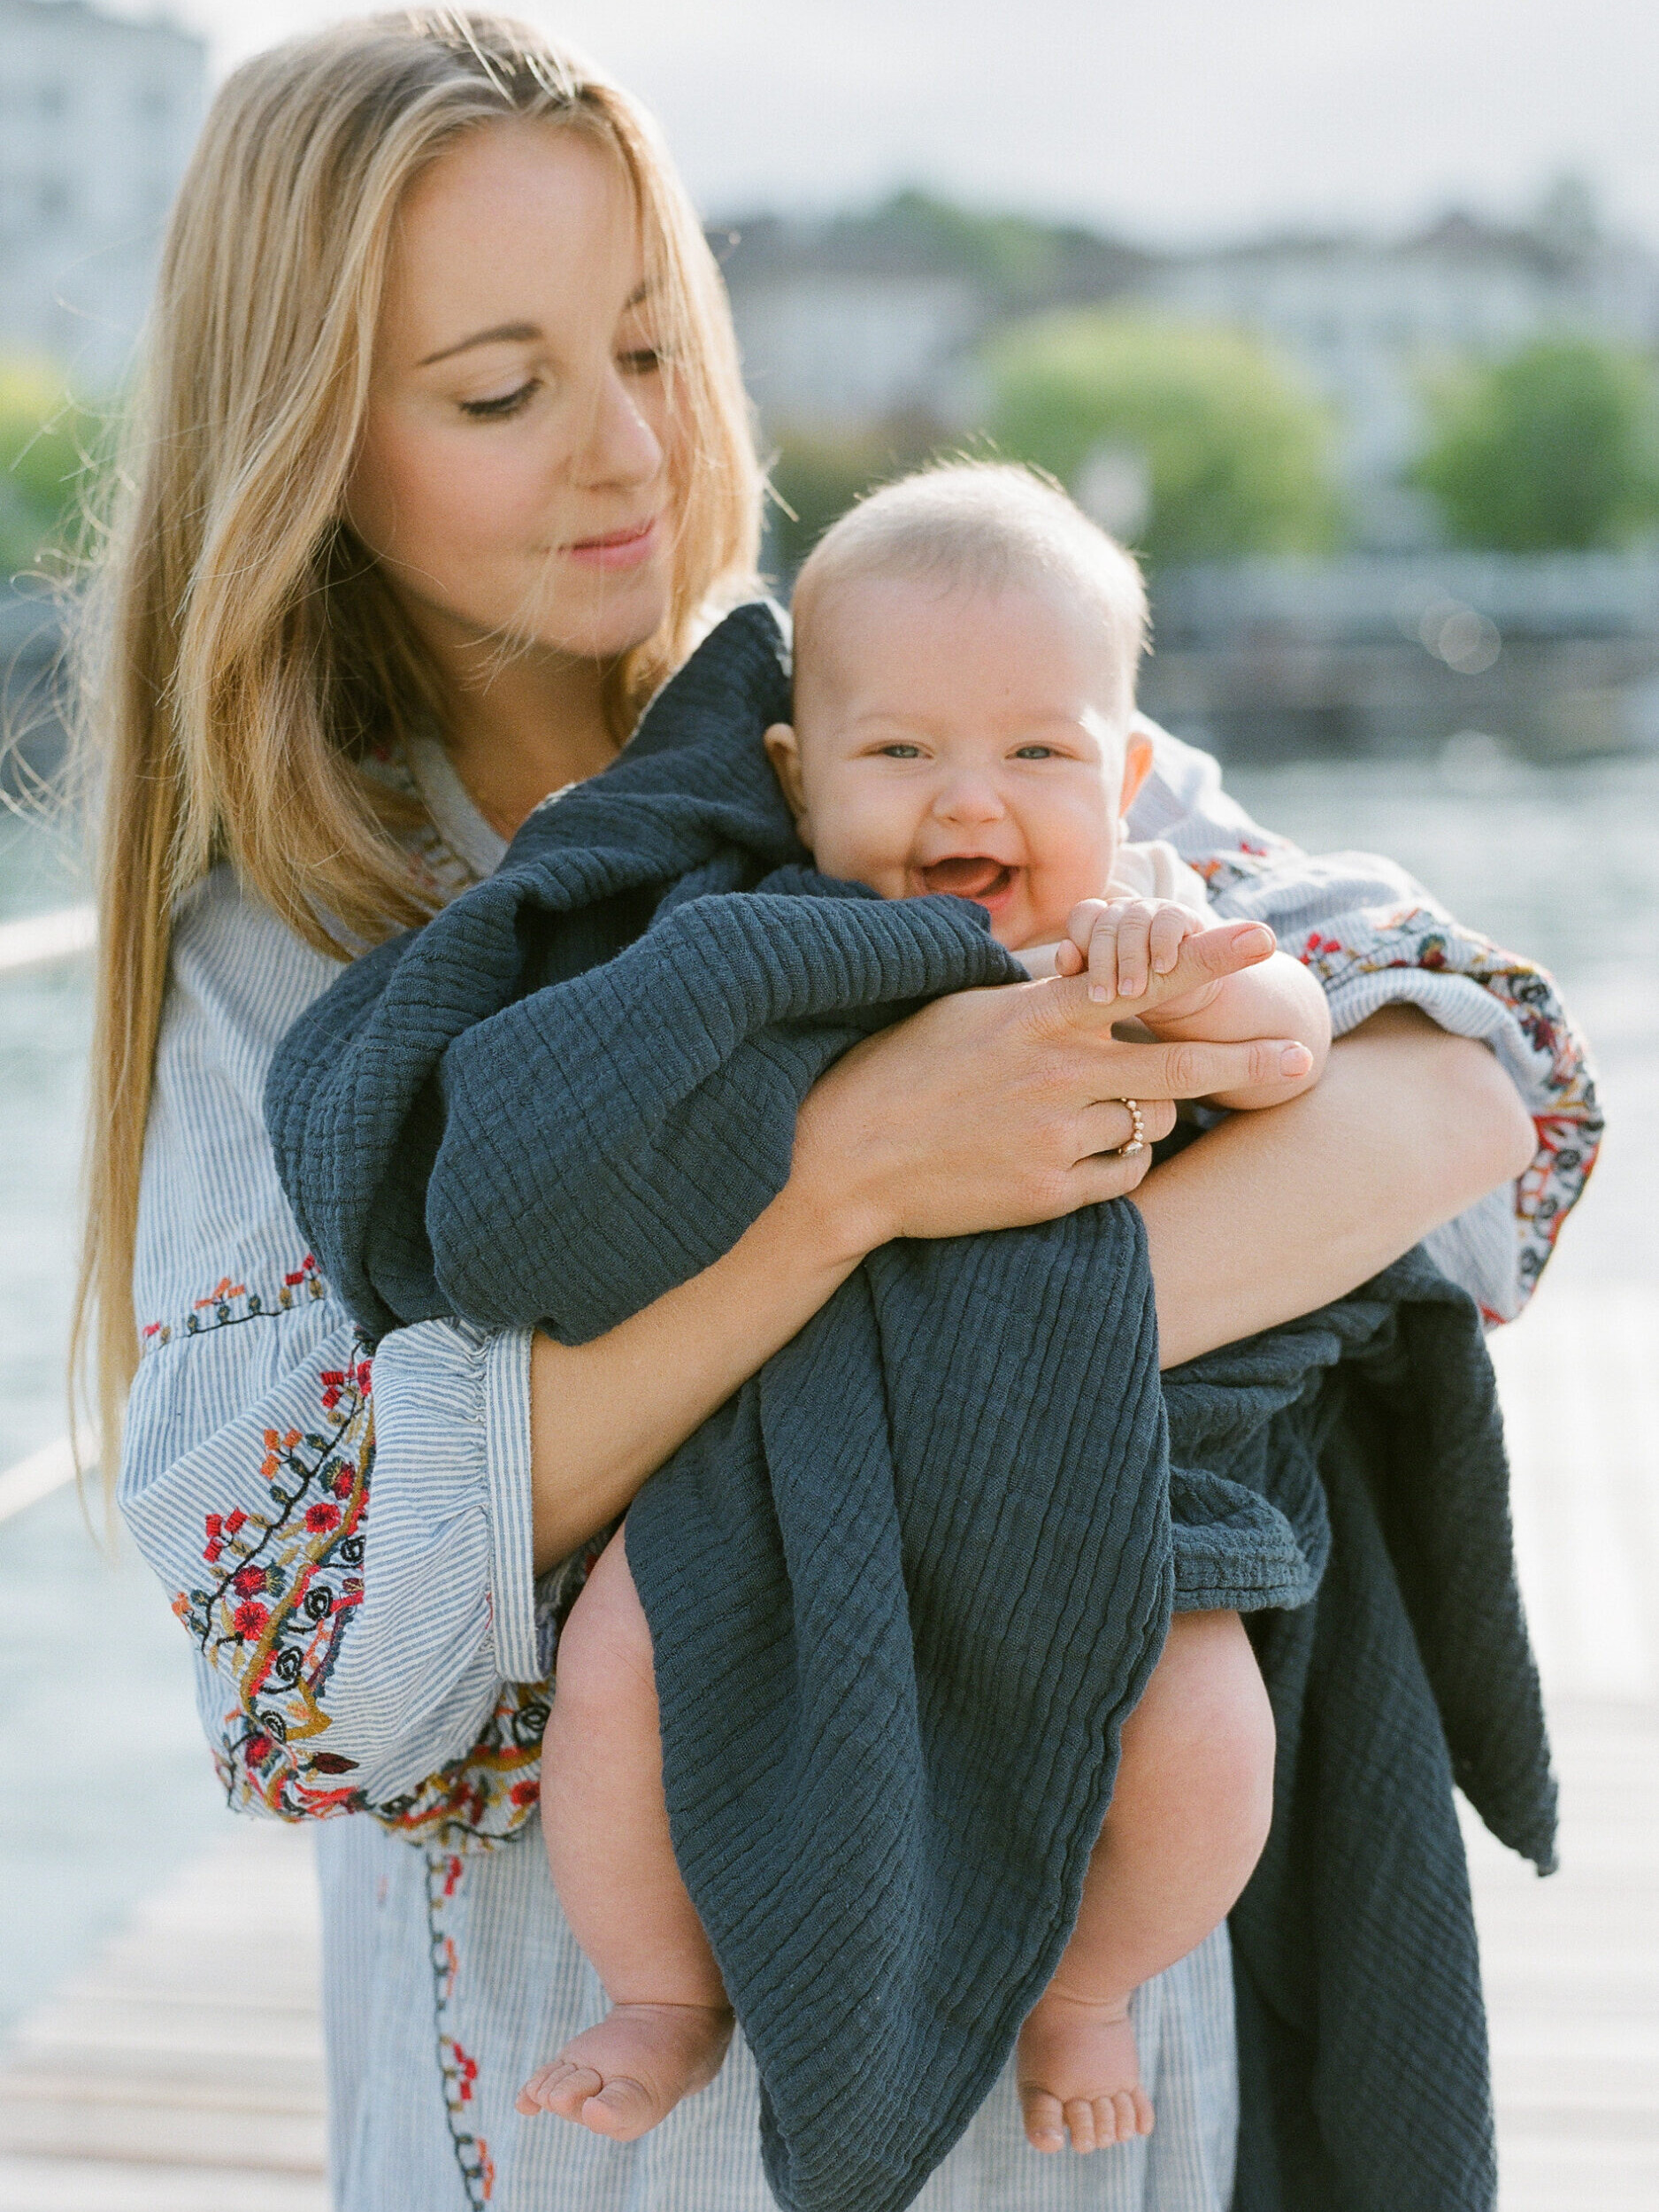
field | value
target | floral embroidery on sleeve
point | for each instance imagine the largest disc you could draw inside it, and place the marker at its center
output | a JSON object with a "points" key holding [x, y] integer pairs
{"points": [[277, 1602], [281, 1586], [1571, 1126], [227, 1303]]}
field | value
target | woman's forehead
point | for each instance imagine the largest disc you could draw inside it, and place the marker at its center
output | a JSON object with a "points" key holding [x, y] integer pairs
{"points": [[520, 225]]}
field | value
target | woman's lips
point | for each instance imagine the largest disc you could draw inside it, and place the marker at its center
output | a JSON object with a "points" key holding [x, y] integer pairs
{"points": [[972, 876], [623, 549]]}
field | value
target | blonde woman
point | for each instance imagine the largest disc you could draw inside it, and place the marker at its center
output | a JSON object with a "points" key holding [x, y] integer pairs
{"points": [[438, 462]]}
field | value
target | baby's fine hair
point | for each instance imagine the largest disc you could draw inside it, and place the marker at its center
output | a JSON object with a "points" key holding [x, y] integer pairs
{"points": [[985, 526]]}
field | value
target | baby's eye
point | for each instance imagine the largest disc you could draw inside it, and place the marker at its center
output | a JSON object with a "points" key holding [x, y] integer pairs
{"points": [[509, 403], [1034, 752], [901, 752]]}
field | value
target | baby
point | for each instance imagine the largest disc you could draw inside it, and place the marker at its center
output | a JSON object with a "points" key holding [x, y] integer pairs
{"points": [[966, 645]]}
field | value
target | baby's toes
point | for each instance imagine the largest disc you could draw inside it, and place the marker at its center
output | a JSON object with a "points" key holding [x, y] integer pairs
{"points": [[622, 2109], [1045, 2123], [1080, 2119], [1143, 2114], [560, 2087]]}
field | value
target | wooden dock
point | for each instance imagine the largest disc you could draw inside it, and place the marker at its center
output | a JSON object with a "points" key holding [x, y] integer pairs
{"points": [[181, 2072]]}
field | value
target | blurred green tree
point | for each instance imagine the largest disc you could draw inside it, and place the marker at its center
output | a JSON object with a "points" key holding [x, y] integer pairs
{"points": [[1235, 453], [46, 447], [1554, 446]]}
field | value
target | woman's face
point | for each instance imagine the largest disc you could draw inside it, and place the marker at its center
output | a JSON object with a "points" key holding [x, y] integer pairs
{"points": [[514, 471]]}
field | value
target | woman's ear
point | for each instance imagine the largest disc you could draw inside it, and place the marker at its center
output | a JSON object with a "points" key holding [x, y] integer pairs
{"points": [[784, 755], [1137, 766]]}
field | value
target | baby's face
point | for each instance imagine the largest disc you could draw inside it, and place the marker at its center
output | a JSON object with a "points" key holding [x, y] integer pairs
{"points": [[963, 741]]}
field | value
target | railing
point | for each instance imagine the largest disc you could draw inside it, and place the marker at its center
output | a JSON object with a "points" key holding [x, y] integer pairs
{"points": [[39, 940], [36, 1477], [36, 941]]}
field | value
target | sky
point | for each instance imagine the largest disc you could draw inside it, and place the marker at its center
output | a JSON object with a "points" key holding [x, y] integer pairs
{"points": [[1170, 121]]}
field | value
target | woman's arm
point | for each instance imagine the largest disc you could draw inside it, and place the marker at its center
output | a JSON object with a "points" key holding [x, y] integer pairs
{"points": [[1273, 1214], [987, 1110]]}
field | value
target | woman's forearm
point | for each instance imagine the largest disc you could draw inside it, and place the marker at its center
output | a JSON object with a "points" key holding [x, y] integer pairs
{"points": [[1273, 1214], [603, 1416]]}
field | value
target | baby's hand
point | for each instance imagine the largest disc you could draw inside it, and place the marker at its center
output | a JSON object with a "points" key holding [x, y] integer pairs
{"points": [[1125, 942]]}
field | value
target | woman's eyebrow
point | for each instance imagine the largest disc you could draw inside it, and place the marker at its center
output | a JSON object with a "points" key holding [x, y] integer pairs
{"points": [[504, 333], [521, 334]]}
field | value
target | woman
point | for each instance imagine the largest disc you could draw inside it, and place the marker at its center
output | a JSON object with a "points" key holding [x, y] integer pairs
{"points": [[440, 462]]}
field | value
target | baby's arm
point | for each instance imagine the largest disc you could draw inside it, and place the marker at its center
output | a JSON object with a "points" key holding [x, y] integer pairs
{"points": [[1124, 943]]}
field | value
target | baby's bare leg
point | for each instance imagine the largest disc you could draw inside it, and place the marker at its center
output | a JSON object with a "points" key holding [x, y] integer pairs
{"points": [[1187, 1820], [606, 1828]]}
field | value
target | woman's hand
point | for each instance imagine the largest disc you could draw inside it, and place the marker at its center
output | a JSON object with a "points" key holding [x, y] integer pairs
{"points": [[986, 1110], [993, 1109]]}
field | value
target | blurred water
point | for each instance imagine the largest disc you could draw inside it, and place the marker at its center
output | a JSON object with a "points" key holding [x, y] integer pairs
{"points": [[102, 1778]]}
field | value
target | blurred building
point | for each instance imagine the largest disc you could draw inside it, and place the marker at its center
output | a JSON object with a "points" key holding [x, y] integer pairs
{"points": [[845, 322], [98, 117], [865, 317], [1368, 320]]}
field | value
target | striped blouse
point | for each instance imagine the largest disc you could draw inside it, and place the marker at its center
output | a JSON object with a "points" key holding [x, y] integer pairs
{"points": [[385, 1672]]}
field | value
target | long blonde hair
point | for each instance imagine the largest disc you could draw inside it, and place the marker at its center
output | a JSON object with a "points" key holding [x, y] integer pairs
{"points": [[240, 647]]}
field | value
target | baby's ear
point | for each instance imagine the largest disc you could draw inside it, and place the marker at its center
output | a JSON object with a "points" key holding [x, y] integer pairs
{"points": [[1137, 766], [785, 756]]}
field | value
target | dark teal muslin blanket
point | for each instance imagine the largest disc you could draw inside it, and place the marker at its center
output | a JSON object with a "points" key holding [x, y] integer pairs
{"points": [[905, 1585]]}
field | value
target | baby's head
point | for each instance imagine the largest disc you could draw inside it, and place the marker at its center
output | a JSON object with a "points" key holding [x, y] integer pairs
{"points": [[965, 648]]}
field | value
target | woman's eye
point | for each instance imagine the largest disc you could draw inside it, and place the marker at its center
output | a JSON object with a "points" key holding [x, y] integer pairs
{"points": [[642, 360], [509, 403]]}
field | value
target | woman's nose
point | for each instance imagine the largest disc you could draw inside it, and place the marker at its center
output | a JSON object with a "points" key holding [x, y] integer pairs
{"points": [[620, 446]]}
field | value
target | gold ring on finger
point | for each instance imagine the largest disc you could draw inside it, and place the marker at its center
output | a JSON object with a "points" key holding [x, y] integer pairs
{"points": [[1137, 1130]]}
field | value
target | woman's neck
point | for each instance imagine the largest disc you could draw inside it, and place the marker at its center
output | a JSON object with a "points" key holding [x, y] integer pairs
{"points": [[520, 723]]}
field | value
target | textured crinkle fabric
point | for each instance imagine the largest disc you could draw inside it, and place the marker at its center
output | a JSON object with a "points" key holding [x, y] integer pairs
{"points": [[1363, 2045], [904, 1588]]}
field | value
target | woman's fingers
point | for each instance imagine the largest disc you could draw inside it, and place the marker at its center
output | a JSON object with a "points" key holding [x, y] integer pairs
{"points": [[1107, 1125], [1191, 1070], [1208, 956]]}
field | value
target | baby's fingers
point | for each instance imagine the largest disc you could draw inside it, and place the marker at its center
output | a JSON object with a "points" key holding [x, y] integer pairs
{"points": [[1171, 926], [1104, 969], [1133, 920]]}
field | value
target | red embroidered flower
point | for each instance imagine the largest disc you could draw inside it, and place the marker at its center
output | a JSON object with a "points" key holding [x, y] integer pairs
{"points": [[258, 1749], [234, 1521], [343, 1478], [249, 1619], [321, 1519], [525, 1792], [465, 2071], [248, 1581]]}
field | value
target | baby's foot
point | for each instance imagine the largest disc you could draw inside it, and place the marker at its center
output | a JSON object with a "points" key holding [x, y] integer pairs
{"points": [[623, 2076], [1080, 2073]]}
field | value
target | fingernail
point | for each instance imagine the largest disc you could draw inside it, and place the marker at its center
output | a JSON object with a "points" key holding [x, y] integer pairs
{"points": [[1253, 938], [1295, 1060], [1097, 992]]}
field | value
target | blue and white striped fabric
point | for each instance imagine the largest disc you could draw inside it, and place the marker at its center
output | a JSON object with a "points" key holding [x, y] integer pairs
{"points": [[383, 1672]]}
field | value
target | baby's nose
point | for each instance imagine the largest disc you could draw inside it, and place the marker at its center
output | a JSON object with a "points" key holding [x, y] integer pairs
{"points": [[970, 799]]}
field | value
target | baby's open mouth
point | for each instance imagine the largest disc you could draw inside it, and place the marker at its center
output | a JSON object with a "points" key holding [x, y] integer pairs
{"points": [[970, 876]]}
